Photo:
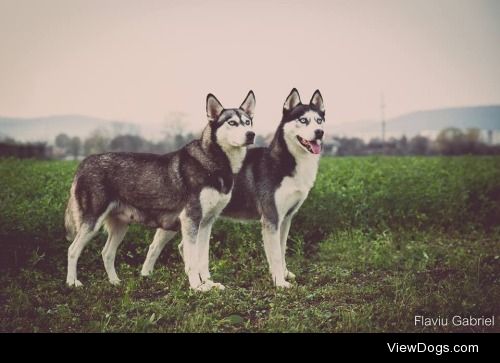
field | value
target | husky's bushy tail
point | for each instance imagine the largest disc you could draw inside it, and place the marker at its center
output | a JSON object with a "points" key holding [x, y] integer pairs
{"points": [[72, 215]]}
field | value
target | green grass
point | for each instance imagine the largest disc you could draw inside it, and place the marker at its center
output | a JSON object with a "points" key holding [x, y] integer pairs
{"points": [[379, 240]]}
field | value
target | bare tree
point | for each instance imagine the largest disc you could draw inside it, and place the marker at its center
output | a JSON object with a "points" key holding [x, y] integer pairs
{"points": [[97, 142], [74, 147], [419, 145], [130, 143], [63, 141]]}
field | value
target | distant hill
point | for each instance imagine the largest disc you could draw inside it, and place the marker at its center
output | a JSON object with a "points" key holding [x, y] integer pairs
{"points": [[47, 128], [426, 122]]}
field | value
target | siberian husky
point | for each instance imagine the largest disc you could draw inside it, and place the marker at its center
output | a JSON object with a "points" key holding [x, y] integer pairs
{"points": [[274, 181], [185, 189]]}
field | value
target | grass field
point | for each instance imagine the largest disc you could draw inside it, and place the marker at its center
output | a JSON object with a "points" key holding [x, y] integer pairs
{"points": [[379, 240]]}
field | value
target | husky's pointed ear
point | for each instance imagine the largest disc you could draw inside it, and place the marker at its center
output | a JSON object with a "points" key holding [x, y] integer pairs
{"points": [[248, 106], [317, 101], [214, 108], [292, 101]]}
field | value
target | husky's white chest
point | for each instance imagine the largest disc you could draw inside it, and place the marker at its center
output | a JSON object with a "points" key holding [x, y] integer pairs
{"points": [[213, 202], [294, 189], [235, 155]]}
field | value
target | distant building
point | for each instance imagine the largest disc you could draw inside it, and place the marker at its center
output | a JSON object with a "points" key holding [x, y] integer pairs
{"points": [[490, 137]]}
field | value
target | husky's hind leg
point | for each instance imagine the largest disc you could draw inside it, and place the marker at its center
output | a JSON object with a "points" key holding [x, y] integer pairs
{"points": [[116, 233], [84, 235], [162, 237], [86, 232]]}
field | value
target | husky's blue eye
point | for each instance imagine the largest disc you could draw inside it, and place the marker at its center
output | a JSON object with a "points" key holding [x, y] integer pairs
{"points": [[303, 120], [232, 123]]}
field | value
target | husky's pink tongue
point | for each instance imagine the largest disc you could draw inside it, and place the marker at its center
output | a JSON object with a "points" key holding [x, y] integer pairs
{"points": [[316, 147]]}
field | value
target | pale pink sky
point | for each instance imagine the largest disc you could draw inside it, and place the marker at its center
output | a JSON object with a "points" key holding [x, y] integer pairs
{"points": [[141, 60]]}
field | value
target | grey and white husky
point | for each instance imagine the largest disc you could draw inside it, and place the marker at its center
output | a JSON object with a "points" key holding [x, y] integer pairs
{"points": [[274, 181], [185, 189]]}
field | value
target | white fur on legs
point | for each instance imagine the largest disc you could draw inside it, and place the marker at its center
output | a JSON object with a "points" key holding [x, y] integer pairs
{"points": [[207, 284], [191, 263], [84, 235], [181, 250], [284, 230], [212, 203], [189, 236], [159, 241], [116, 233], [272, 247], [203, 247]]}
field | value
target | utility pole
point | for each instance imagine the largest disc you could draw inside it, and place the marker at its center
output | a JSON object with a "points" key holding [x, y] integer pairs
{"points": [[382, 117]]}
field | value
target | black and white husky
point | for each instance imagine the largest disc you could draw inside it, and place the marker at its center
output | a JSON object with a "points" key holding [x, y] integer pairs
{"points": [[187, 188], [274, 181]]}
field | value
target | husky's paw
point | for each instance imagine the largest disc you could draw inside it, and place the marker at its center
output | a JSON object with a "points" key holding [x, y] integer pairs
{"points": [[115, 282], [215, 285], [289, 275], [208, 285], [74, 283], [283, 285], [202, 288], [146, 273]]}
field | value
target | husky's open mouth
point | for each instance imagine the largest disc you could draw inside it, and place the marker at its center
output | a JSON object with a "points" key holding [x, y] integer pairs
{"points": [[313, 146]]}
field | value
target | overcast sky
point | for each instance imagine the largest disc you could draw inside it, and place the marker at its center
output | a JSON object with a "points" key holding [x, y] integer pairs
{"points": [[141, 60]]}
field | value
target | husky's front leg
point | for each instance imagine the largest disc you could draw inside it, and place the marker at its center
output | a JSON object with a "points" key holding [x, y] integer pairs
{"points": [[203, 245], [284, 230], [272, 247], [189, 228]]}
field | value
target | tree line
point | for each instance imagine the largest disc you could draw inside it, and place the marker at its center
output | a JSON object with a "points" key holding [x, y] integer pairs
{"points": [[450, 141], [99, 141]]}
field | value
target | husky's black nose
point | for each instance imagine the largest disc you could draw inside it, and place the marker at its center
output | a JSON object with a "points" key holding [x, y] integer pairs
{"points": [[319, 133], [250, 137]]}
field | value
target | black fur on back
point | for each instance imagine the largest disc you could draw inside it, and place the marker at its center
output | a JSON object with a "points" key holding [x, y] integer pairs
{"points": [[153, 189]]}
